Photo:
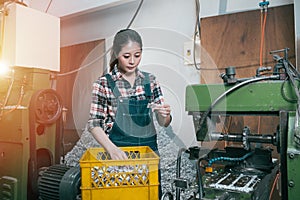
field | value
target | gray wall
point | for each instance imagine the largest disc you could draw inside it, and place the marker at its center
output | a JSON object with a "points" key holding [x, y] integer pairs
{"points": [[165, 26]]}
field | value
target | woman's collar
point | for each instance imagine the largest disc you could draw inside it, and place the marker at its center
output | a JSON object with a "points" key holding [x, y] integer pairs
{"points": [[118, 75]]}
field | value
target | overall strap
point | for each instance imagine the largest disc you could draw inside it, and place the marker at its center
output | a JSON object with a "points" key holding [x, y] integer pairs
{"points": [[116, 91], [147, 86], [112, 85]]}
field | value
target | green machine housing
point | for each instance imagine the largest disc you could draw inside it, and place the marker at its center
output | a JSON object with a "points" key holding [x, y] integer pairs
{"points": [[272, 97]]}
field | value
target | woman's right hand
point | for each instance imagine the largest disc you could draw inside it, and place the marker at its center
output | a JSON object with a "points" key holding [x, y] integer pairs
{"points": [[116, 153]]}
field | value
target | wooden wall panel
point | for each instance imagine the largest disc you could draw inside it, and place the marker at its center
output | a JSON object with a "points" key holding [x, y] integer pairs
{"points": [[88, 57], [72, 58], [234, 40]]}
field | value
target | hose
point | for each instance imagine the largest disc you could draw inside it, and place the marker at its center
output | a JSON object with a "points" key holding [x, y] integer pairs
{"points": [[211, 161]]}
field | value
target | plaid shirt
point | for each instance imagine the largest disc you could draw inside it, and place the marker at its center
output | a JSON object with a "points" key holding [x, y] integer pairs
{"points": [[104, 104]]}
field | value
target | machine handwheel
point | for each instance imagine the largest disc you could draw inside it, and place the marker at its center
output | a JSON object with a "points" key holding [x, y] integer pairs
{"points": [[47, 106]]}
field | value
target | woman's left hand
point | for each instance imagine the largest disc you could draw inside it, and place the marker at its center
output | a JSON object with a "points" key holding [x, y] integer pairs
{"points": [[163, 110], [163, 114]]}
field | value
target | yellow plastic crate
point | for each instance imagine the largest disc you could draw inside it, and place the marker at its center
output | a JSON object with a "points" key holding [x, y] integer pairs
{"points": [[132, 179]]}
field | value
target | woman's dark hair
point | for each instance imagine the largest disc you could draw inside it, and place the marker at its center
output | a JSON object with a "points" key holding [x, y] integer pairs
{"points": [[120, 40]]}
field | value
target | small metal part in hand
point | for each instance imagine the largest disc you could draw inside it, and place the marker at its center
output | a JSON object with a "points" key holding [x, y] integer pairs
{"points": [[151, 105]]}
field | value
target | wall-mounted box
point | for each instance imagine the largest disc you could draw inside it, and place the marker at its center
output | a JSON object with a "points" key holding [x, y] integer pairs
{"points": [[189, 52], [31, 38]]}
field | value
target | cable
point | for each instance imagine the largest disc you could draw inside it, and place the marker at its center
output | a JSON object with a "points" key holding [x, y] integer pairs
{"points": [[197, 31], [263, 19], [194, 51], [257, 79], [135, 14], [108, 50], [7, 94], [284, 95], [263, 27], [15, 106], [291, 77], [258, 124], [296, 72], [84, 66], [198, 17], [49, 4], [241, 66], [273, 186]]}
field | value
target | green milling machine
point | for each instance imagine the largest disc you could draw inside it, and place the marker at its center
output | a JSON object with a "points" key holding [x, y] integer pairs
{"points": [[252, 165], [241, 164]]}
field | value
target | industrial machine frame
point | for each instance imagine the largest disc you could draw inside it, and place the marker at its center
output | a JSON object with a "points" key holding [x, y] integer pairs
{"points": [[247, 168]]}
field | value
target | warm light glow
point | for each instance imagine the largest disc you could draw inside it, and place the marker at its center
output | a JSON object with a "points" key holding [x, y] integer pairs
{"points": [[3, 68]]}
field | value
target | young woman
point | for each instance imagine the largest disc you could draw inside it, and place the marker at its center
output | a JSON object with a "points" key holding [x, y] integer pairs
{"points": [[125, 100]]}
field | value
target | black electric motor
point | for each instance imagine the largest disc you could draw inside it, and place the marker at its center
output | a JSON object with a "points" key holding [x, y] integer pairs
{"points": [[59, 182]]}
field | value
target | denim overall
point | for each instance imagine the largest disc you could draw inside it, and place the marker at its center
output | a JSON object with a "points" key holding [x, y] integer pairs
{"points": [[133, 124]]}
